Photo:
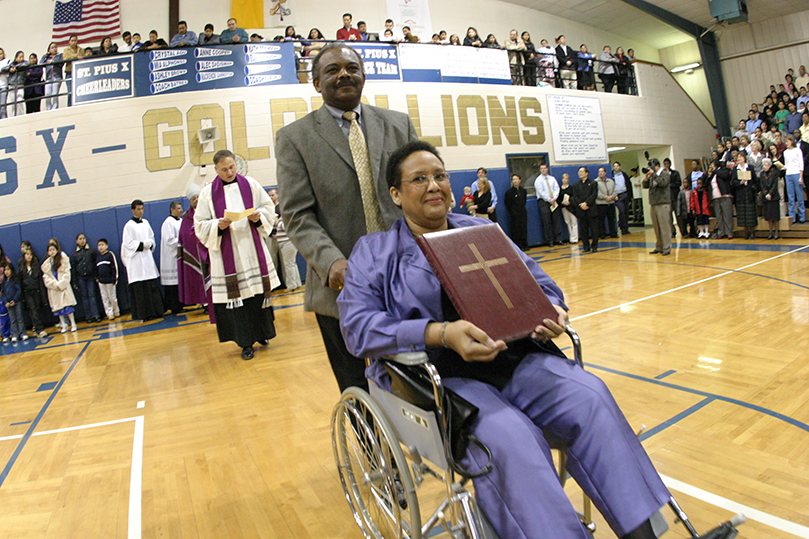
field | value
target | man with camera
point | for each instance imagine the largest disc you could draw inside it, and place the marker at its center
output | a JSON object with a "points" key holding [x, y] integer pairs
{"points": [[657, 181]]}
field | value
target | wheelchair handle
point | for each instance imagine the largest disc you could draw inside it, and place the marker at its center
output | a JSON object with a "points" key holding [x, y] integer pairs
{"points": [[574, 337]]}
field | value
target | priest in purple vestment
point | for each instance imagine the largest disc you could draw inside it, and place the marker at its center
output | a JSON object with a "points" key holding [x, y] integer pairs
{"points": [[530, 397], [192, 259]]}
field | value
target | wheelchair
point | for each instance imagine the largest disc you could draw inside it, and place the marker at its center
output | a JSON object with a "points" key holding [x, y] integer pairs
{"points": [[386, 448]]}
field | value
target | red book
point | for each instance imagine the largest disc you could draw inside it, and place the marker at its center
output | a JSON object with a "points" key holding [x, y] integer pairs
{"points": [[487, 280]]}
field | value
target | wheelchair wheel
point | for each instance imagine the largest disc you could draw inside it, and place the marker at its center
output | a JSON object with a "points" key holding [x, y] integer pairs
{"points": [[373, 469]]}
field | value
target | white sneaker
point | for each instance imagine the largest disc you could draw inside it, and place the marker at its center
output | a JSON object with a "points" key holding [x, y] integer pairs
{"points": [[74, 328], [25, 337], [6, 339], [64, 329], [14, 339]]}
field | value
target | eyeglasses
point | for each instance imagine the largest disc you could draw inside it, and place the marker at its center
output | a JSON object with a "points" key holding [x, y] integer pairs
{"points": [[421, 181]]}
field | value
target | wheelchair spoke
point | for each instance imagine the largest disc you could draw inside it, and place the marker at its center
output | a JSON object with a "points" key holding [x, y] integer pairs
{"points": [[373, 469]]}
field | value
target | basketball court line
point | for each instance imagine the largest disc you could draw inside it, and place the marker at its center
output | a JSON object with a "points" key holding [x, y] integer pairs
{"points": [[136, 469], [708, 497], [694, 283], [735, 507]]}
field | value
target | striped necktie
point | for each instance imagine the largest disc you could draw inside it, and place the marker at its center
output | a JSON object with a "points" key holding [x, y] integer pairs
{"points": [[362, 165]]}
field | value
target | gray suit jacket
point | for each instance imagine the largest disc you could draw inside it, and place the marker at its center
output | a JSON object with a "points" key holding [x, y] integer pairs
{"points": [[319, 192]]}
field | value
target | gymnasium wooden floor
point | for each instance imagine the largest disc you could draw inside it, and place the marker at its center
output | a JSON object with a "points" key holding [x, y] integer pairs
{"points": [[157, 430]]}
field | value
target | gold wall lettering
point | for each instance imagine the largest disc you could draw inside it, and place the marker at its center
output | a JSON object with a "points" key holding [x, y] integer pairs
{"points": [[194, 116], [530, 121], [504, 121], [415, 117], [173, 139], [466, 102], [238, 126]]}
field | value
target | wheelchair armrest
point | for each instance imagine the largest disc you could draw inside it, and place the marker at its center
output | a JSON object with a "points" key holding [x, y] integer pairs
{"points": [[574, 337], [410, 359]]}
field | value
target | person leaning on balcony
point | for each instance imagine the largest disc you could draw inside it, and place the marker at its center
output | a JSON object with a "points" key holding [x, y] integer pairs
{"points": [[233, 34]]}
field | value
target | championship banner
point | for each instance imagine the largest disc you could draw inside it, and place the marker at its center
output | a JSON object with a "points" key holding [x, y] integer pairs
{"points": [[381, 60], [99, 79], [412, 13], [186, 70]]}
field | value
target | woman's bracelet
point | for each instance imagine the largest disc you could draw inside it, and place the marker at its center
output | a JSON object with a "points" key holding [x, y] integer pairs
{"points": [[443, 331]]}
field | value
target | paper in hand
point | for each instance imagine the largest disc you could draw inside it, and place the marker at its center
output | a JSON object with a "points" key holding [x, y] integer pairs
{"points": [[238, 216]]}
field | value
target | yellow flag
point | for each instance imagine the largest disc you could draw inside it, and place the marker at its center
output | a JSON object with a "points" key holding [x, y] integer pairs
{"points": [[248, 13]]}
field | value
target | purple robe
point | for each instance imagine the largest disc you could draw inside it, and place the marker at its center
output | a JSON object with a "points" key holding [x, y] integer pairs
{"points": [[192, 266], [389, 297]]}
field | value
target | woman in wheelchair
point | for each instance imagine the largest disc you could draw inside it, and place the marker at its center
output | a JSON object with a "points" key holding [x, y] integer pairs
{"points": [[530, 398]]}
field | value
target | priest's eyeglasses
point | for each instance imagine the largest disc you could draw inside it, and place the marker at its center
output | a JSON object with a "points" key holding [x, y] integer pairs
{"points": [[424, 179]]}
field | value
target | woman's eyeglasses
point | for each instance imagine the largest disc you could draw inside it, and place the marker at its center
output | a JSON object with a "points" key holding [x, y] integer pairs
{"points": [[421, 181]]}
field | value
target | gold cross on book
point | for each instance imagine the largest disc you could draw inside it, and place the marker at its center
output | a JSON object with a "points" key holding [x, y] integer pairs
{"points": [[486, 266]]}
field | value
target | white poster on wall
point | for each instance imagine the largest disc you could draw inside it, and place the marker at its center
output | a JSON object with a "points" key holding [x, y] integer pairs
{"points": [[577, 129], [412, 13]]}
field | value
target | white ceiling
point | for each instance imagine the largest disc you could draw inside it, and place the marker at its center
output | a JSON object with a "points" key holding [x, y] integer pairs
{"points": [[620, 18]]}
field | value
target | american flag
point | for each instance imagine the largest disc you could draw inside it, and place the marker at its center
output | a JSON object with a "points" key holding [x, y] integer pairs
{"points": [[90, 20]]}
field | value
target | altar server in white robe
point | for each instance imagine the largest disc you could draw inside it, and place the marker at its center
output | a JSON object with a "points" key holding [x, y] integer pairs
{"points": [[169, 240], [136, 254], [242, 272]]}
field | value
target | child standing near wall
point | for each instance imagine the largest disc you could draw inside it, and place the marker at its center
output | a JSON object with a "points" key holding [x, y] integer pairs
{"points": [[107, 277], [83, 261], [700, 205], [31, 283], [5, 325], [12, 297], [56, 275]]}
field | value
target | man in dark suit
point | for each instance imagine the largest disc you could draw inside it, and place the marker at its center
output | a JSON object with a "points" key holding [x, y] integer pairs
{"points": [[332, 188], [585, 193], [623, 186], [568, 63], [676, 183]]}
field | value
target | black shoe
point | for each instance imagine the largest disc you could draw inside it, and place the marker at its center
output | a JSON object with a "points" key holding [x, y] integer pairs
{"points": [[667, 252], [595, 249], [264, 342], [656, 251], [550, 244], [585, 250], [247, 352], [614, 236], [770, 236]]}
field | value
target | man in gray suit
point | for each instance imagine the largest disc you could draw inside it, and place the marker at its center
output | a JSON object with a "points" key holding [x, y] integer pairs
{"points": [[329, 198]]}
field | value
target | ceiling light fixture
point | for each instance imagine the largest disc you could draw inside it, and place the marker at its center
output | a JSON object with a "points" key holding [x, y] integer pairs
{"points": [[616, 149], [686, 67]]}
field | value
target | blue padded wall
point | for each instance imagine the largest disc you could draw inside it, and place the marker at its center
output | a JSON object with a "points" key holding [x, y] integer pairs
{"points": [[10, 239], [38, 233]]}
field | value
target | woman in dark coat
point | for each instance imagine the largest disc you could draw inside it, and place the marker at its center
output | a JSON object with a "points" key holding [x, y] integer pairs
{"points": [[515, 204], [744, 196], [472, 39], [34, 89], [772, 200], [624, 71], [721, 197], [530, 60]]}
